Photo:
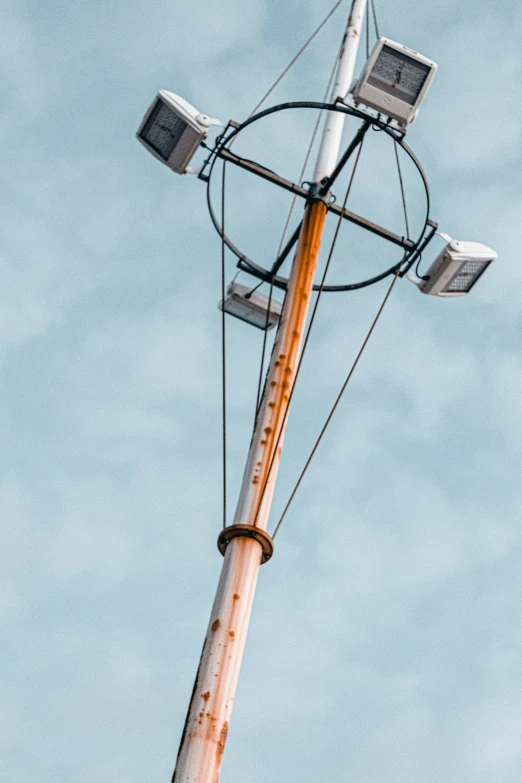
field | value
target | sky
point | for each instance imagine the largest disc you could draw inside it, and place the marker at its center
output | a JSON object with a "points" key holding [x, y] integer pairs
{"points": [[385, 643]]}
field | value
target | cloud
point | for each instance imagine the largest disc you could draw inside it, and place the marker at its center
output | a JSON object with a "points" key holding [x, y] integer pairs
{"points": [[385, 639]]}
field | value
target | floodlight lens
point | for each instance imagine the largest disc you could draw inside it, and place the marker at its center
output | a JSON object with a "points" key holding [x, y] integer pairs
{"points": [[466, 277], [251, 306], [244, 313], [398, 74], [163, 130]]}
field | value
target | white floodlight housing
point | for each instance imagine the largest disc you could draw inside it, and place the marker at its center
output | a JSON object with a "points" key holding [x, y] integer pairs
{"points": [[172, 130], [394, 80], [457, 268], [251, 307]]}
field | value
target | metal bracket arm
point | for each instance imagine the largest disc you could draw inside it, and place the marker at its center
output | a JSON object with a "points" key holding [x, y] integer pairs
{"points": [[260, 171], [359, 136]]}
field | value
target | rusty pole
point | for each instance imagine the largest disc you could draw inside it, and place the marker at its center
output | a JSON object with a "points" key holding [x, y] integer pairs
{"points": [[245, 543]]}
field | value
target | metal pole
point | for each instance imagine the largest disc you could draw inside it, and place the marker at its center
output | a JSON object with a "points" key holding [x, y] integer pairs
{"points": [[205, 732], [334, 123]]}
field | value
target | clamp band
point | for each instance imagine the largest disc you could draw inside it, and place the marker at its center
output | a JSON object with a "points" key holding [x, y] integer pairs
{"points": [[247, 531]]}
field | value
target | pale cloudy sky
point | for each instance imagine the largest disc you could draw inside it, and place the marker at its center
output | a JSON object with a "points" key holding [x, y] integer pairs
{"points": [[386, 639]]}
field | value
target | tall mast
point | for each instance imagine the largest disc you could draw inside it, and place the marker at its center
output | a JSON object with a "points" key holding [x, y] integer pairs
{"points": [[245, 543]]}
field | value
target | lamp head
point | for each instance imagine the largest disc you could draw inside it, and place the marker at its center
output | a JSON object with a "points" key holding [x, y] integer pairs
{"points": [[172, 130], [457, 268], [251, 306], [394, 80]]}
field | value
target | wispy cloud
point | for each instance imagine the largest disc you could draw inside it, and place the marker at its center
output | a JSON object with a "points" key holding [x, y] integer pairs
{"points": [[385, 643]]}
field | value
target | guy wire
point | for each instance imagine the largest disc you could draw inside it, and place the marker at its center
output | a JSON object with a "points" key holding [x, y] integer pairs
{"points": [[375, 19], [403, 195], [285, 230], [296, 57], [223, 351], [337, 401], [309, 329]]}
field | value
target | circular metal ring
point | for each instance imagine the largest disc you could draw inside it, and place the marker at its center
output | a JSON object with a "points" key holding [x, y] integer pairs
{"points": [[265, 274], [247, 531]]}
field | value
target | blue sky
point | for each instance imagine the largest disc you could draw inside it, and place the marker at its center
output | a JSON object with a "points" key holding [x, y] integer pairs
{"points": [[385, 644]]}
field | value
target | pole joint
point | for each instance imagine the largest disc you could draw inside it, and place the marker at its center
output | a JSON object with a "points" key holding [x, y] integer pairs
{"points": [[315, 192], [247, 531]]}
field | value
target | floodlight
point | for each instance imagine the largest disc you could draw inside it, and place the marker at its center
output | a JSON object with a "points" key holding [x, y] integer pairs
{"points": [[456, 269], [251, 307], [394, 80], [172, 130]]}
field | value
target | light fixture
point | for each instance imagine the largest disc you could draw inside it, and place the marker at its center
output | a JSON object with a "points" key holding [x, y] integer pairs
{"points": [[456, 269], [394, 80], [172, 130], [251, 307]]}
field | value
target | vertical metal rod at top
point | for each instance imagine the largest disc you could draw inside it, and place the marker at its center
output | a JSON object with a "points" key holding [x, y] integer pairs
{"points": [[206, 727], [334, 122]]}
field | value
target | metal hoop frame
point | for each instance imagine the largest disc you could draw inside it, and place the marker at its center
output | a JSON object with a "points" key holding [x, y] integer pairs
{"points": [[221, 149]]}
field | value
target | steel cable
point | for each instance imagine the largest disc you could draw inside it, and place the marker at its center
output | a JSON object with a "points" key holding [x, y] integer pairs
{"points": [[223, 353], [374, 13], [285, 231], [403, 195], [296, 57], [367, 26], [309, 329], [337, 401]]}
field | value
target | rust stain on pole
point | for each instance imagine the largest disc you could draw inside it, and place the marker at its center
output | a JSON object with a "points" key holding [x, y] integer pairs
{"points": [[222, 740], [283, 368], [187, 719]]}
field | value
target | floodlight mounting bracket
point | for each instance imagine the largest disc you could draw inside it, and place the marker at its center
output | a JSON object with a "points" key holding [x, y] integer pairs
{"points": [[221, 150], [453, 243], [193, 170], [207, 121]]}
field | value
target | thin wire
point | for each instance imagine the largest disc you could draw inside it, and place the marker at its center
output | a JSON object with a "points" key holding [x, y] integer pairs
{"points": [[310, 325], [263, 350], [254, 289], [285, 230], [402, 189], [309, 151], [374, 13], [337, 401], [299, 53], [223, 352], [417, 266], [367, 35]]}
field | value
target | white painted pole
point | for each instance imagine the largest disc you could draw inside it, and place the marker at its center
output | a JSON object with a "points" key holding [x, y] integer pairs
{"points": [[334, 123], [206, 727], [203, 740]]}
